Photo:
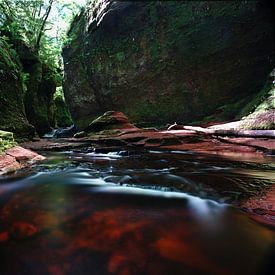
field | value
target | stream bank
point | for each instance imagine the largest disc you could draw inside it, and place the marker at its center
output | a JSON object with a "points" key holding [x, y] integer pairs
{"points": [[113, 132]]}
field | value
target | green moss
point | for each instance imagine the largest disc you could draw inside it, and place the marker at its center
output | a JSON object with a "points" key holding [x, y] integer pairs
{"points": [[75, 30], [62, 115], [39, 103], [120, 56], [8, 56], [13, 116], [6, 141], [262, 109], [256, 100]]}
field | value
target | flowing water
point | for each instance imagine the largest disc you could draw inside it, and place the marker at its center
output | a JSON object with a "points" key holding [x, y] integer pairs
{"points": [[134, 212]]}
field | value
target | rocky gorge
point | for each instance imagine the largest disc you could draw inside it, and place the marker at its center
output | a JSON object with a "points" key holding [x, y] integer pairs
{"points": [[28, 96], [159, 135]]}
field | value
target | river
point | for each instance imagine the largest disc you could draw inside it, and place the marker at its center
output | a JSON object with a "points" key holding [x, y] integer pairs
{"points": [[134, 212]]}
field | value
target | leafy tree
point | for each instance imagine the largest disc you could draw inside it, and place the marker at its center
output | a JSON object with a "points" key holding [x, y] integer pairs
{"points": [[34, 22]]}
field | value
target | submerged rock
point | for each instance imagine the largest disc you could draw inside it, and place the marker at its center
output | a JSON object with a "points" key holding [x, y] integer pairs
{"points": [[165, 61], [261, 207]]}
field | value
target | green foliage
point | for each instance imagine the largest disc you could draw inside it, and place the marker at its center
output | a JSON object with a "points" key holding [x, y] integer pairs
{"points": [[6, 141], [25, 79], [41, 24], [8, 56]]}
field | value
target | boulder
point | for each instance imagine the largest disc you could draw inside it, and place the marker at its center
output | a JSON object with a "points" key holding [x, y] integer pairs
{"points": [[261, 207], [16, 159], [111, 120], [6, 141]]}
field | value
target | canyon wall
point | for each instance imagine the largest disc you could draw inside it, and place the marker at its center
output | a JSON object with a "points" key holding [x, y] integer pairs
{"points": [[166, 61]]}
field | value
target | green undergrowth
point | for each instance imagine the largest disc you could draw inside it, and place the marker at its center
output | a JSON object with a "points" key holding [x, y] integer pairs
{"points": [[6, 141], [8, 56]]}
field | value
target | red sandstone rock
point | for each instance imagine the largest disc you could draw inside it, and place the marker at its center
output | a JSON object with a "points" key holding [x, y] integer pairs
{"points": [[261, 207], [16, 158], [111, 120], [6, 160], [8, 164], [114, 129], [22, 230], [22, 154], [56, 144]]}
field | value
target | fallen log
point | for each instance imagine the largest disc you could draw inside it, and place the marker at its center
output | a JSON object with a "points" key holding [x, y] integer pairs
{"points": [[233, 132]]}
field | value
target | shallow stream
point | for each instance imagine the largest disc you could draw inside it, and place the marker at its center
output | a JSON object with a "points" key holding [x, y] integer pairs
{"points": [[134, 212]]}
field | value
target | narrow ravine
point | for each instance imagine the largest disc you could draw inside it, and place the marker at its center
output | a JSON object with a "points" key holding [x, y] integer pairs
{"points": [[137, 137]]}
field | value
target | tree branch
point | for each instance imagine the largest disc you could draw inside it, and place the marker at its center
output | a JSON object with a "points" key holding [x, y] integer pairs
{"points": [[46, 15]]}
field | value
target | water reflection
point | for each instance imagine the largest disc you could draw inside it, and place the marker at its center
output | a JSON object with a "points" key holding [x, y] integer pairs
{"points": [[131, 214]]}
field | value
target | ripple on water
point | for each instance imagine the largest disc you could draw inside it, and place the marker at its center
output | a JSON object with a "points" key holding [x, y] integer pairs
{"points": [[132, 215]]}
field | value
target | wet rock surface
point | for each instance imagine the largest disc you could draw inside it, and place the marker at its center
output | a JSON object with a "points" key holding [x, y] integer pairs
{"points": [[262, 206], [182, 140], [16, 158]]}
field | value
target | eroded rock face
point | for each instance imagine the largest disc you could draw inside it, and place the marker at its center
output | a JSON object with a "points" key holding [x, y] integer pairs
{"points": [[13, 116], [26, 91], [39, 98], [166, 61]]}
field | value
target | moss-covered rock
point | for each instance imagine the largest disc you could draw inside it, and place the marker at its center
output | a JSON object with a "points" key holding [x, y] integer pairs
{"points": [[166, 61], [261, 108], [26, 91], [62, 115], [110, 121], [39, 102], [6, 141], [12, 111]]}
